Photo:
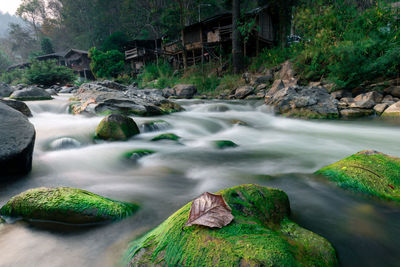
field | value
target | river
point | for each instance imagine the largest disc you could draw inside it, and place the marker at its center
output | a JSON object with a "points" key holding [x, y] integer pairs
{"points": [[273, 151]]}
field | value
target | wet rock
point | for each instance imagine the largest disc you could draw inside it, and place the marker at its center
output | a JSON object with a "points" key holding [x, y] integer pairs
{"points": [[51, 92], [218, 108], [243, 91], [369, 172], [222, 144], [5, 90], [393, 110], [304, 102], [370, 96], [380, 108], [355, 112], [276, 86], [66, 205], [18, 105], [185, 91], [366, 104], [166, 136], [260, 225], [137, 154], [96, 99], [64, 143], [116, 127], [17, 139], [154, 126], [31, 93]]}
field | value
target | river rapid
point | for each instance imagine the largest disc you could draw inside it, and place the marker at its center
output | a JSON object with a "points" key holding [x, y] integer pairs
{"points": [[273, 151]]}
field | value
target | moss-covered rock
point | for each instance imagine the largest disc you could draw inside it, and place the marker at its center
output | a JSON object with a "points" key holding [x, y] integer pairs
{"points": [[66, 205], [168, 107], [152, 126], [166, 136], [116, 127], [260, 235], [222, 144], [137, 153], [368, 172]]}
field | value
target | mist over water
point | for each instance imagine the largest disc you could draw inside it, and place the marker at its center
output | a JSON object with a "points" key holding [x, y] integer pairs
{"points": [[273, 151]]}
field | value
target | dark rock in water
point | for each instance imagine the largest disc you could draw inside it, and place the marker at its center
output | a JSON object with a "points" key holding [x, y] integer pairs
{"points": [[64, 143], [222, 144], [369, 172], [94, 98], [137, 154], [304, 102], [185, 90], [218, 108], [30, 94], [116, 127], [17, 139], [153, 126], [66, 205], [18, 105], [166, 136], [261, 234], [51, 91], [5, 90]]}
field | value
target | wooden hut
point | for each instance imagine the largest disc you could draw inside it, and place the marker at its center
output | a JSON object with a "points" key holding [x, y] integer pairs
{"points": [[79, 61], [138, 52]]}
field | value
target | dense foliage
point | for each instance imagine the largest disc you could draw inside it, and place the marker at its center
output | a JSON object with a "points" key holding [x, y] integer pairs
{"points": [[48, 73], [106, 64]]}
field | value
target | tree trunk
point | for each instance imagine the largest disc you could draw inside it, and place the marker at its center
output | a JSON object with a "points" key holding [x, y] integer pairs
{"points": [[236, 42], [182, 20]]}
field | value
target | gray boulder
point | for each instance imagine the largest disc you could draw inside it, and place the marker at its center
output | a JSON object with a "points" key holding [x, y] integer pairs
{"points": [[304, 102], [17, 139], [5, 90], [64, 143], [185, 90], [97, 99], [243, 92], [31, 93], [355, 112], [380, 108], [18, 105], [51, 91], [393, 110]]}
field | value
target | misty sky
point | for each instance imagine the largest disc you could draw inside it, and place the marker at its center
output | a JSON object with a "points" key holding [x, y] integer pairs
{"points": [[9, 6]]}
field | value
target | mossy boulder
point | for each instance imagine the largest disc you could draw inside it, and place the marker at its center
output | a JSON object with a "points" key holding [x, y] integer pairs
{"points": [[260, 235], [166, 136], [368, 172], [222, 144], [138, 153], [116, 127], [66, 205]]}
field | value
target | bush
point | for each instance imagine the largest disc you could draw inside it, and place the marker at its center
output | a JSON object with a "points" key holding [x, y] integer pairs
{"points": [[108, 64], [48, 73], [158, 76], [13, 77]]}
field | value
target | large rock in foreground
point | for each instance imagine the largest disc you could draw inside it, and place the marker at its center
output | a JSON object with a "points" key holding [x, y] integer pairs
{"points": [[17, 139], [303, 102], [66, 205], [97, 98], [367, 172], [392, 111], [116, 127], [30, 94], [260, 235], [18, 105]]}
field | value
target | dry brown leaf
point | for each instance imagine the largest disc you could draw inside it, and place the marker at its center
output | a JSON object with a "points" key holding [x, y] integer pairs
{"points": [[210, 210]]}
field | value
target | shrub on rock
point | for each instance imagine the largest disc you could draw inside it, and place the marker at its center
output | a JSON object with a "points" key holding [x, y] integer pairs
{"points": [[116, 127], [367, 172], [66, 205], [260, 235]]}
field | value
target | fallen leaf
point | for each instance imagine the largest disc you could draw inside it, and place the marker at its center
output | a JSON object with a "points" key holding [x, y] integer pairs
{"points": [[209, 210]]}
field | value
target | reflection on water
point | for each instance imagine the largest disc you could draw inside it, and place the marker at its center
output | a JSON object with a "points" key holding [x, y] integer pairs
{"points": [[364, 232]]}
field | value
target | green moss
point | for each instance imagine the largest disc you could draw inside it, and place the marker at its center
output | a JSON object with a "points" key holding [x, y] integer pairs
{"points": [[67, 205], [31, 98], [222, 144], [137, 153], [170, 107], [167, 136], [391, 114], [116, 127], [367, 172], [260, 235], [307, 114]]}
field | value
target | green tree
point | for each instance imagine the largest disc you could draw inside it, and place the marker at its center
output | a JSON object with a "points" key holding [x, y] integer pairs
{"points": [[4, 62], [116, 41], [106, 64], [48, 73], [47, 46]]}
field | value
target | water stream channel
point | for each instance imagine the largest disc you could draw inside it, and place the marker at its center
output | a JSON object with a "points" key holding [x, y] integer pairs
{"points": [[273, 151]]}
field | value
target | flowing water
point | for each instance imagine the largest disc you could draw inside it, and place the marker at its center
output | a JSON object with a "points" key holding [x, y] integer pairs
{"points": [[273, 151]]}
